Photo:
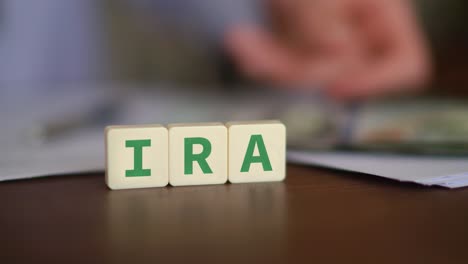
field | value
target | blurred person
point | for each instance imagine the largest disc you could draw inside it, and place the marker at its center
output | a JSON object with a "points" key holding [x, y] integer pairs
{"points": [[349, 48], [352, 48]]}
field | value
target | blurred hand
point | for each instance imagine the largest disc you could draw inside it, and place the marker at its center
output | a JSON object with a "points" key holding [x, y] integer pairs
{"points": [[351, 48]]}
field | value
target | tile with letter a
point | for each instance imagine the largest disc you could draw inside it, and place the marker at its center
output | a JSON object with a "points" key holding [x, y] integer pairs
{"points": [[136, 156], [257, 151], [197, 154]]}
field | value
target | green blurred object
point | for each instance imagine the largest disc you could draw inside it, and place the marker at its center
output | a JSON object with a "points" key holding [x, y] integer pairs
{"points": [[413, 126], [423, 126]]}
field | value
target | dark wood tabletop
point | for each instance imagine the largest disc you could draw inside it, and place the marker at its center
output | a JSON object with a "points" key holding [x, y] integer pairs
{"points": [[315, 216]]}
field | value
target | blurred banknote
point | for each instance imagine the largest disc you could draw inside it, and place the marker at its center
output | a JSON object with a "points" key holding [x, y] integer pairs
{"points": [[418, 126]]}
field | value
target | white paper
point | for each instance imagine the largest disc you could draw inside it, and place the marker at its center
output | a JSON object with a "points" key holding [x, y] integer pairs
{"points": [[451, 172], [74, 154]]}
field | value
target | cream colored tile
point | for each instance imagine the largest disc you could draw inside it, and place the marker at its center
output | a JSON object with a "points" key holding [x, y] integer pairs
{"points": [[257, 151], [136, 156], [197, 154]]}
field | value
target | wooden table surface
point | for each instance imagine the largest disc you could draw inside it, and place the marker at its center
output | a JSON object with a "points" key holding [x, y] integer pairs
{"points": [[314, 216]]}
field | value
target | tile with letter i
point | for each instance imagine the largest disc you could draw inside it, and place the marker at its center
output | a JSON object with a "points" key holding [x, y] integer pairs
{"points": [[197, 154], [136, 156], [257, 151]]}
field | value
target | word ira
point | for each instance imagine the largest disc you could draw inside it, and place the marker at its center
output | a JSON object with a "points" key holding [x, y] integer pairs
{"points": [[195, 154]]}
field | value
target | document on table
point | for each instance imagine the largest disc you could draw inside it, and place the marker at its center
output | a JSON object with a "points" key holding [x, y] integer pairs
{"points": [[85, 153], [450, 172], [33, 146], [77, 154]]}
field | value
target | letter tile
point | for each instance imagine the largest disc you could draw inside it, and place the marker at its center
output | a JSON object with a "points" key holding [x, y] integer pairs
{"points": [[197, 154], [257, 151], [136, 156]]}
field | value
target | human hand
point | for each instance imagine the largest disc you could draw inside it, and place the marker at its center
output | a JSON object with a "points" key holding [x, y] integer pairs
{"points": [[351, 48]]}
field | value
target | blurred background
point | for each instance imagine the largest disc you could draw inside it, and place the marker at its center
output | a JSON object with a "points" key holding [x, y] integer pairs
{"points": [[447, 33], [146, 48], [196, 42], [368, 75]]}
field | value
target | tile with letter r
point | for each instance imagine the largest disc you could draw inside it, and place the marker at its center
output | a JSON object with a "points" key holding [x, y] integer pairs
{"points": [[136, 156], [197, 154], [257, 151]]}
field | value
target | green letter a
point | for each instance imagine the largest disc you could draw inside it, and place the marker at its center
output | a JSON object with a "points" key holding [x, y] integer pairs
{"points": [[262, 154]]}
